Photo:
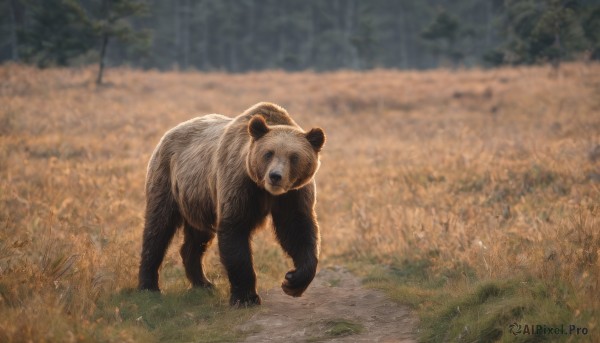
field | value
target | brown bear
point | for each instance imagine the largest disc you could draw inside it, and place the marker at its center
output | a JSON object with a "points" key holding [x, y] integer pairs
{"points": [[223, 176]]}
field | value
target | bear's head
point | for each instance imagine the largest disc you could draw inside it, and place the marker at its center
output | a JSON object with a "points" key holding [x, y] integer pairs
{"points": [[281, 157]]}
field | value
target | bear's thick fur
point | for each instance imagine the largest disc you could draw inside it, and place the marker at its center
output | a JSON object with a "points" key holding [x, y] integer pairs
{"points": [[223, 176]]}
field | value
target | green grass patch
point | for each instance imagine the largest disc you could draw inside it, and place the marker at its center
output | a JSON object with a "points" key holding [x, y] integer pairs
{"points": [[335, 328], [334, 282], [183, 316], [342, 327], [455, 306]]}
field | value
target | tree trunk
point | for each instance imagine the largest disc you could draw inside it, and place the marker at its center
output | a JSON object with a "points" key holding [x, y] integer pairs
{"points": [[309, 44], [490, 22], [14, 40], [185, 33], [402, 29], [355, 61], [281, 43], [177, 32], [558, 45], [102, 54]]}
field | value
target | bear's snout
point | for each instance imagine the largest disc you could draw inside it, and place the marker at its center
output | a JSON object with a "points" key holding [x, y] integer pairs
{"points": [[275, 177], [275, 182]]}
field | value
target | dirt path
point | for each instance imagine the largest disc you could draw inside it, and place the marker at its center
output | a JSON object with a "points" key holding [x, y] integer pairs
{"points": [[335, 308]]}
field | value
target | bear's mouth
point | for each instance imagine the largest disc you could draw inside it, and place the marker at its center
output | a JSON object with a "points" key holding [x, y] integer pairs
{"points": [[274, 188]]}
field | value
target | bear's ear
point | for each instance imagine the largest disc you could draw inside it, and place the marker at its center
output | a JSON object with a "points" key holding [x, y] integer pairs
{"points": [[316, 137], [258, 127]]}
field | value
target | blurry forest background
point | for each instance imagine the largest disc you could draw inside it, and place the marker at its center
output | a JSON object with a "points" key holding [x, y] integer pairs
{"points": [[244, 35]]}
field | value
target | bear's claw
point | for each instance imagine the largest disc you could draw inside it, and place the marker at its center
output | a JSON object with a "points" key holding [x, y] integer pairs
{"points": [[295, 283]]}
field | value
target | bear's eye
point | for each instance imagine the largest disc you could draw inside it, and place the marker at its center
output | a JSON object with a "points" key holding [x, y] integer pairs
{"points": [[294, 158], [268, 154]]}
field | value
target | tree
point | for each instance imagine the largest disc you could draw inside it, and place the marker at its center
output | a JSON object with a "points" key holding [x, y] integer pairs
{"points": [[15, 10], [557, 34], [591, 27], [364, 38], [111, 24], [541, 30], [60, 30], [444, 32]]}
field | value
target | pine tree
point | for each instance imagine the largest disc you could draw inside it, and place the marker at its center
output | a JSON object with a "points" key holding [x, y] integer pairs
{"points": [[364, 39], [591, 28], [444, 33], [111, 24], [541, 30], [557, 34], [60, 31]]}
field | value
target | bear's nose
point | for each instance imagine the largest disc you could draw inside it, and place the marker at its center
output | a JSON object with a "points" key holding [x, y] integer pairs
{"points": [[275, 177]]}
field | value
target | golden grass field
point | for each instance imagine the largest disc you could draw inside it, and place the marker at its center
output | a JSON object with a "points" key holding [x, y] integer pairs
{"points": [[487, 175]]}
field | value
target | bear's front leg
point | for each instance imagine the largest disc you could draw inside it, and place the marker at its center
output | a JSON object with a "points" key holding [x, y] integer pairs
{"points": [[297, 230], [234, 248]]}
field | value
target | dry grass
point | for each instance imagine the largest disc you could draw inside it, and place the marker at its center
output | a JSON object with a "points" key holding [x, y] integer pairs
{"points": [[494, 171]]}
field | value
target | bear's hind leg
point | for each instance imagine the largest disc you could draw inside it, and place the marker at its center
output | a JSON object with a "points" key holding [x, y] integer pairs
{"points": [[162, 220], [195, 244]]}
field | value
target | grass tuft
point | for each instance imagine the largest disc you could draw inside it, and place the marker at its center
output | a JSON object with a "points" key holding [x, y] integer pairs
{"points": [[342, 327]]}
